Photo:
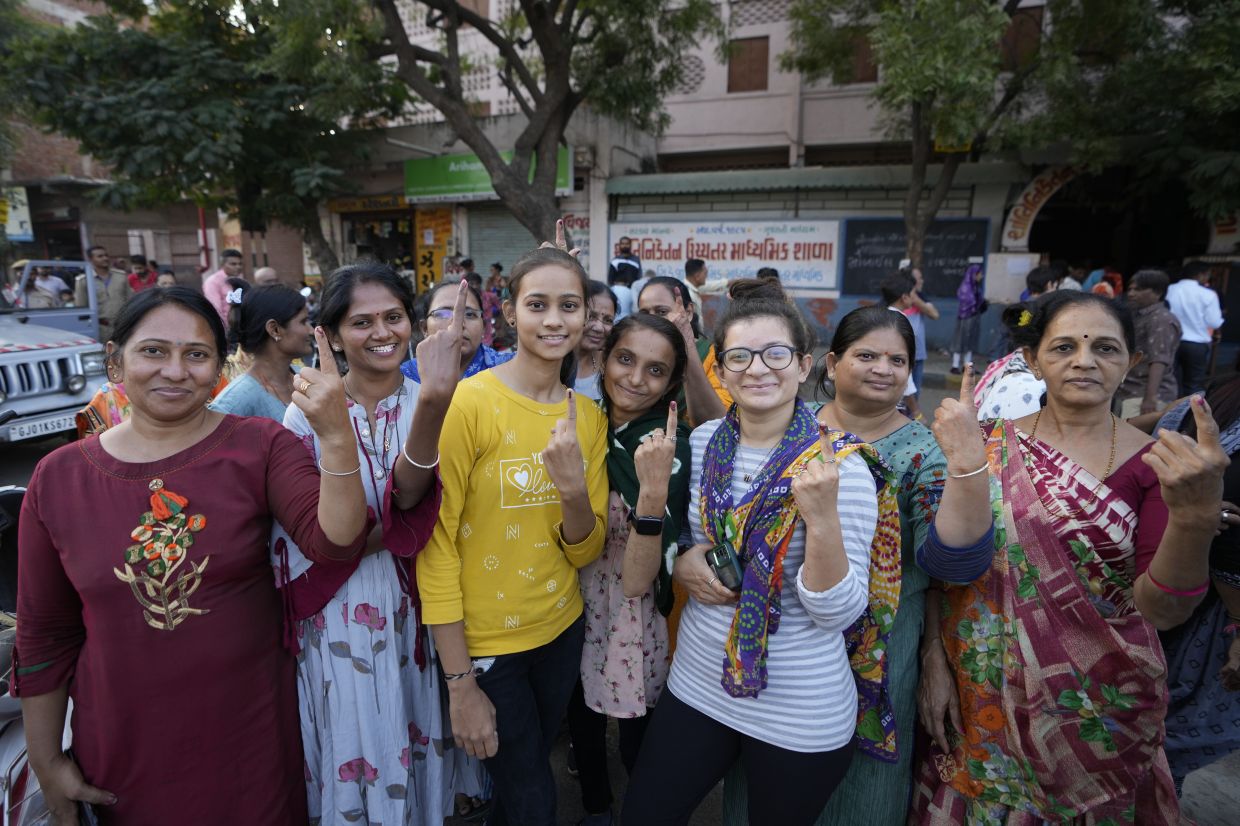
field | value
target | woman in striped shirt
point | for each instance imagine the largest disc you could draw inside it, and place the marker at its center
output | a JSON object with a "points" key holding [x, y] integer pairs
{"points": [[761, 673]]}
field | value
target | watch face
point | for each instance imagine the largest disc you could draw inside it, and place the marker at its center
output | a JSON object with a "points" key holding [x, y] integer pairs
{"points": [[647, 525]]}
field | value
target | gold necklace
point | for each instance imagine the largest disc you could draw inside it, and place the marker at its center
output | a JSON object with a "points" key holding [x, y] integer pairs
{"points": [[1033, 434]]}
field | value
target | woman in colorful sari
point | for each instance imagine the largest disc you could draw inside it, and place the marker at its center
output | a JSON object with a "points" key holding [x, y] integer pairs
{"points": [[1102, 538], [866, 371]]}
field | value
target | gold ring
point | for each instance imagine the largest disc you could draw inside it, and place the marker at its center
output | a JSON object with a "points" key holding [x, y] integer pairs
{"points": [[305, 385]]}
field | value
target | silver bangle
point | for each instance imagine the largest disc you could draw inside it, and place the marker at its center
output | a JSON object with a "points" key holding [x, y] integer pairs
{"points": [[431, 466], [322, 469], [970, 473]]}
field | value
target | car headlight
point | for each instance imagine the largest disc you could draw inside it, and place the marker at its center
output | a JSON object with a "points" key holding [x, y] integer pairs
{"points": [[93, 362], [76, 382]]}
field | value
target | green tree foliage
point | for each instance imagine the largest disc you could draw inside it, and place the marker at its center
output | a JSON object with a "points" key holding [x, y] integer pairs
{"points": [[189, 105], [1164, 97], [1150, 83], [619, 57]]}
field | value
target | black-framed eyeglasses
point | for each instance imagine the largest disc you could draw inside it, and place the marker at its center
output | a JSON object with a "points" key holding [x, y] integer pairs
{"points": [[774, 356], [445, 314]]}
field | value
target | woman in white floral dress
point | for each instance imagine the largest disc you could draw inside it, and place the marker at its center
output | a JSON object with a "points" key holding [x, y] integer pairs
{"points": [[372, 719]]}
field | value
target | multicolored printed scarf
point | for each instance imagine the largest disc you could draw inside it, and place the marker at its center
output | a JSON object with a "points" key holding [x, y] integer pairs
{"points": [[760, 527]]}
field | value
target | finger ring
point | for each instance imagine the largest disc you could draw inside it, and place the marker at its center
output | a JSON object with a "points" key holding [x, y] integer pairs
{"points": [[305, 385], [713, 580], [1226, 513]]}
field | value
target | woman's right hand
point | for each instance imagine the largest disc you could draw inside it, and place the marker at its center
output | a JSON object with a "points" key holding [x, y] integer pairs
{"points": [[696, 577], [64, 787], [956, 430], [937, 699], [319, 393], [473, 718]]}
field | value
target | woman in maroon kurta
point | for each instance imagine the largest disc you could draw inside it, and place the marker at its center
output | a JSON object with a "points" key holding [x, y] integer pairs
{"points": [[145, 591]]}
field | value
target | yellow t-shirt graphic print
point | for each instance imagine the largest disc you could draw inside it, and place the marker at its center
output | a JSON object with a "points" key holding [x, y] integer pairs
{"points": [[497, 559]]}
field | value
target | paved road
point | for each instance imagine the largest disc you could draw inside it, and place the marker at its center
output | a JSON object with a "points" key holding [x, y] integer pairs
{"points": [[1211, 795]]}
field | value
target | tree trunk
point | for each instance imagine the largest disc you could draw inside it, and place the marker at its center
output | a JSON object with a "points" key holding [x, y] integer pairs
{"points": [[914, 228], [320, 249]]}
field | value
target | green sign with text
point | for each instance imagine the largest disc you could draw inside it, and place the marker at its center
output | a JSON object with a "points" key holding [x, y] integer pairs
{"points": [[464, 178]]}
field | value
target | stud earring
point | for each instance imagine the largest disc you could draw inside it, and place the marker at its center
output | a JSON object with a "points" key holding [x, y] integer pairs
{"points": [[277, 338], [338, 349]]}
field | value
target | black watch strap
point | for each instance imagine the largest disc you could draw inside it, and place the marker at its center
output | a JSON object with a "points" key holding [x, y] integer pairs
{"points": [[646, 525]]}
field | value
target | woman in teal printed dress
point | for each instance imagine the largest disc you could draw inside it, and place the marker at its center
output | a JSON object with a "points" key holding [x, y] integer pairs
{"points": [[867, 368]]}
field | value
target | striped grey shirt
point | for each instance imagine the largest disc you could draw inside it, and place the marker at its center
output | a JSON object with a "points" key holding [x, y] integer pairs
{"points": [[810, 702]]}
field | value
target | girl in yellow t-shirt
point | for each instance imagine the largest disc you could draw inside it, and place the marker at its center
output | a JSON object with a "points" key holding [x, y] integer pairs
{"points": [[523, 463]]}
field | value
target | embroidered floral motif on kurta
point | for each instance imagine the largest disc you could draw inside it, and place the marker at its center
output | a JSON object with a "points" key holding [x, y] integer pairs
{"points": [[161, 541]]}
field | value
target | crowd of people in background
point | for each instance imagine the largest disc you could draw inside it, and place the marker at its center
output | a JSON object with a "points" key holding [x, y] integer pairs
{"points": [[387, 543]]}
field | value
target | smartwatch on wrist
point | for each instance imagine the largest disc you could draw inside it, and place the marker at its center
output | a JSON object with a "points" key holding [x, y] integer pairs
{"points": [[646, 525]]}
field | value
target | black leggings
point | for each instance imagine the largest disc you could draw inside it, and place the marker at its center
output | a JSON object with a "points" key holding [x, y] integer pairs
{"points": [[685, 753], [588, 730]]}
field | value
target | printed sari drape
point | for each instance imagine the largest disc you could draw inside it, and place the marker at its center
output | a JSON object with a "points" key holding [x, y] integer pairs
{"points": [[1061, 682]]}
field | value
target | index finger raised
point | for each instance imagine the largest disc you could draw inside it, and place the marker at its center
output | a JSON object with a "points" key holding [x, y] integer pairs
{"points": [[824, 442], [560, 241], [672, 421], [1207, 428], [966, 385], [458, 309], [572, 406], [327, 359]]}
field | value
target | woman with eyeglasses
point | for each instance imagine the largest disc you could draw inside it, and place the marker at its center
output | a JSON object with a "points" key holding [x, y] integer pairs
{"points": [[783, 513], [475, 356], [601, 309]]}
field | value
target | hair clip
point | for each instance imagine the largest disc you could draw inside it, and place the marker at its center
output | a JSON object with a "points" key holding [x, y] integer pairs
{"points": [[234, 297], [1025, 319]]}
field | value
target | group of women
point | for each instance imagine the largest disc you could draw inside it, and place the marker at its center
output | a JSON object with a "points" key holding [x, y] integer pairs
{"points": [[467, 550]]}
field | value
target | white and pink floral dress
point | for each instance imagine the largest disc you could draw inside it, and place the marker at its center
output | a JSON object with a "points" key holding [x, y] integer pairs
{"points": [[373, 724], [625, 660]]}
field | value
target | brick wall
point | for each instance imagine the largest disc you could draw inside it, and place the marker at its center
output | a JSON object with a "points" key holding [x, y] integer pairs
{"points": [[279, 247], [39, 155]]}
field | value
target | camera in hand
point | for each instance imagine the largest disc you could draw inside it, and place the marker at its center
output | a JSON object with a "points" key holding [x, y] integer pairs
{"points": [[723, 560]]}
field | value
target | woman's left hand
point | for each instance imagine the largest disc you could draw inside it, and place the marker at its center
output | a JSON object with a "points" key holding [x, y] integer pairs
{"points": [[655, 457], [956, 429], [319, 393], [439, 355], [1191, 472], [817, 487]]}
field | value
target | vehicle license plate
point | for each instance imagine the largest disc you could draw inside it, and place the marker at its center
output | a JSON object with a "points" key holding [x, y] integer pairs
{"points": [[41, 427]]}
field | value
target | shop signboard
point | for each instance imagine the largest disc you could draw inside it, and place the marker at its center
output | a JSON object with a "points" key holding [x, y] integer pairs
{"points": [[457, 178], [433, 230], [804, 252], [15, 214]]}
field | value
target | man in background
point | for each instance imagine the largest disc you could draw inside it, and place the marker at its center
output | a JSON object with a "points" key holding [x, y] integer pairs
{"points": [[140, 276], [626, 267], [111, 289], [696, 277], [265, 276], [215, 286], [1150, 385], [1197, 307]]}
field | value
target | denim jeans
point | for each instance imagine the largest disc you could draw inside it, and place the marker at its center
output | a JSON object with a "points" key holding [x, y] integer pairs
{"points": [[1192, 362], [530, 692]]}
